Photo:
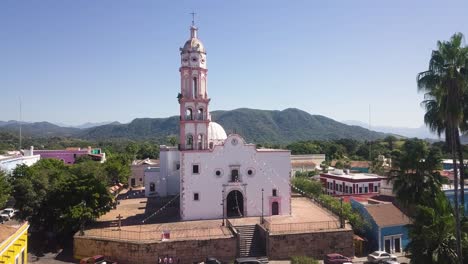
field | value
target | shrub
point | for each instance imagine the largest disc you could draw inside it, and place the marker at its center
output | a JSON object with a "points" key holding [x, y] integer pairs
{"points": [[303, 260]]}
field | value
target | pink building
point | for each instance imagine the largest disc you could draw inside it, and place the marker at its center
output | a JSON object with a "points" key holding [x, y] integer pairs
{"points": [[69, 155], [339, 182]]}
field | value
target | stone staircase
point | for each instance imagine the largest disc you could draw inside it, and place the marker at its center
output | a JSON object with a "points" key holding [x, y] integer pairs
{"points": [[250, 244]]}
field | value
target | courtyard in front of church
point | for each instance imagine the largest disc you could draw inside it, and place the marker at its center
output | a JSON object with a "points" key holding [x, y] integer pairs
{"points": [[148, 219]]}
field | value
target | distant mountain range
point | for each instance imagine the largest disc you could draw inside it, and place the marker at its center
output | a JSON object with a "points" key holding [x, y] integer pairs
{"points": [[419, 132], [257, 126]]}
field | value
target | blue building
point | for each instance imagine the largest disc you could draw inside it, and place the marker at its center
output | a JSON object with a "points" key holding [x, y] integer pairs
{"points": [[387, 229], [451, 196]]}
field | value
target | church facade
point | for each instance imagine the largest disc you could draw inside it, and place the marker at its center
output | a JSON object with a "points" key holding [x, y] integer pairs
{"points": [[216, 175]]}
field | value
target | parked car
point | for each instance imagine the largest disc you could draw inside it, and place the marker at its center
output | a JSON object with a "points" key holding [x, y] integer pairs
{"points": [[335, 258], [247, 261], [98, 259], [7, 213], [389, 261], [212, 261], [379, 256]]}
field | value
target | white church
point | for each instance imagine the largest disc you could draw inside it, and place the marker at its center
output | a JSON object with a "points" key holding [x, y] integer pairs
{"points": [[216, 175]]}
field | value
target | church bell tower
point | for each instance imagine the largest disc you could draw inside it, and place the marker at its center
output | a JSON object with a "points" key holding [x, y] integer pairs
{"points": [[193, 96]]}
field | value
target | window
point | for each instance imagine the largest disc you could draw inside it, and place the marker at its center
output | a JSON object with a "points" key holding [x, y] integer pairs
{"points": [[196, 197], [152, 187], [189, 142], [234, 175], [250, 172], [188, 114], [341, 188], [275, 192], [366, 190], [195, 169], [195, 87], [218, 172], [200, 142], [346, 189], [360, 189], [177, 166], [376, 189], [200, 114]]}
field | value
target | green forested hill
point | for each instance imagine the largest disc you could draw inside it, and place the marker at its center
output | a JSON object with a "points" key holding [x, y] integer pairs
{"points": [[256, 126]]}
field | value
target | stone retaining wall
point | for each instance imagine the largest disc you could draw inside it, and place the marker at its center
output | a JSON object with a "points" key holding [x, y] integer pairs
{"points": [[315, 245], [187, 251]]}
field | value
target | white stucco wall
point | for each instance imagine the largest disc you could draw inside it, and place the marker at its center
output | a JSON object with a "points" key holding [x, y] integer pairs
{"points": [[153, 175], [9, 164], [169, 159], [271, 171]]}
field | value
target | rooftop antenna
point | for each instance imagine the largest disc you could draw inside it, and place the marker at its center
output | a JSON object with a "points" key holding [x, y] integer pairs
{"points": [[20, 123], [193, 18]]}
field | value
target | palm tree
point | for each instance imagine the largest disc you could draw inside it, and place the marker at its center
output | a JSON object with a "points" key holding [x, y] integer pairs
{"points": [[446, 83], [431, 234], [417, 181], [434, 120]]}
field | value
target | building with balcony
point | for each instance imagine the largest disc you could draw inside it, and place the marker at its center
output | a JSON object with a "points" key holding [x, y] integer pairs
{"points": [[341, 182]]}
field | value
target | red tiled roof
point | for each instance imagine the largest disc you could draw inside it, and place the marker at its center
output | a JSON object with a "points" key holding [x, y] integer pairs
{"points": [[303, 163]]}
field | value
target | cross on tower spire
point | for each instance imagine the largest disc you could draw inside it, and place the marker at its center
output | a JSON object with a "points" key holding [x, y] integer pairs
{"points": [[193, 18]]}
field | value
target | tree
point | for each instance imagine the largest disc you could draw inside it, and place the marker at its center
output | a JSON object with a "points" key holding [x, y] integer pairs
{"points": [[56, 198], [431, 235], [172, 140], [5, 188], [444, 85], [390, 141], [118, 168], [417, 180]]}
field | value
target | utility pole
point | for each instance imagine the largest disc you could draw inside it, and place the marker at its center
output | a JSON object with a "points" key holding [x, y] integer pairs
{"points": [[222, 204], [262, 220], [341, 213]]}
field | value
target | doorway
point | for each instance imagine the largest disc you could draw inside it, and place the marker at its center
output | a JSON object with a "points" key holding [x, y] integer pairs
{"points": [[235, 204], [274, 208]]}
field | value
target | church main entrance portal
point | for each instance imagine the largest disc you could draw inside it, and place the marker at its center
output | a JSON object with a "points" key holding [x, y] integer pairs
{"points": [[235, 204]]}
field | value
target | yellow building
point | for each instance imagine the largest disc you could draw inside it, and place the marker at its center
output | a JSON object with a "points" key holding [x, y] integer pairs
{"points": [[14, 243]]}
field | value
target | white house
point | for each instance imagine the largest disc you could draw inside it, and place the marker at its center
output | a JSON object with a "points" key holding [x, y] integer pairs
{"points": [[216, 175], [9, 162]]}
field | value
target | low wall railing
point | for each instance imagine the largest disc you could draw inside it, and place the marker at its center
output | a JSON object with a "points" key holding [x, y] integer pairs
{"points": [[300, 227], [157, 234]]}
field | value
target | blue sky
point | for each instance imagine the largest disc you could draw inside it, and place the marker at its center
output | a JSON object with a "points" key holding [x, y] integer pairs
{"points": [[89, 61]]}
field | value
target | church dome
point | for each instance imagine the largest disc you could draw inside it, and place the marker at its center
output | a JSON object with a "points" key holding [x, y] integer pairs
{"points": [[216, 133], [193, 44]]}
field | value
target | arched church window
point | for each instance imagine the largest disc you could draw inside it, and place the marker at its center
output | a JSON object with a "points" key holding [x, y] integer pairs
{"points": [[200, 141], [189, 142], [200, 114], [188, 114], [195, 87]]}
